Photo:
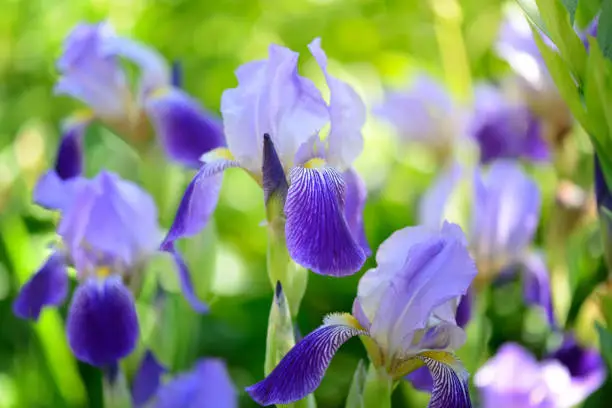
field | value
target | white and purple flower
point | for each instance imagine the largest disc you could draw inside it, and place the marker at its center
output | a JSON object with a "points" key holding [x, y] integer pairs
{"points": [[91, 72], [514, 378], [405, 312], [272, 122], [109, 231]]}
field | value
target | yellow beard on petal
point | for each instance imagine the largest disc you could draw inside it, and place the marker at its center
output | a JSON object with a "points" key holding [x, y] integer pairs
{"points": [[315, 163], [103, 272]]}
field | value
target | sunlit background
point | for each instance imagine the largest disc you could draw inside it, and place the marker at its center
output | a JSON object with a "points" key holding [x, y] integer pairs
{"points": [[372, 44]]}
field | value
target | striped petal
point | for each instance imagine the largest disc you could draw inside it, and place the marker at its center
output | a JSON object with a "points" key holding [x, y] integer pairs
{"points": [[318, 235], [450, 380], [199, 201], [300, 372]]}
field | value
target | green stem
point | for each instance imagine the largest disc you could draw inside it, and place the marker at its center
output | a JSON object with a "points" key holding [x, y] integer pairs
{"points": [[378, 388], [115, 389]]}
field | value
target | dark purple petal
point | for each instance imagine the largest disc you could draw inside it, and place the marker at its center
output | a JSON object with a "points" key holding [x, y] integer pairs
{"points": [[47, 287], [176, 76], [300, 372], [147, 379], [69, 161], [186, 283], [356, 195], [450, 384], [274, 180], [198, 202], [464, 309], [318, 236], [102, 324], [185, 129], [536, 285], [421, 379], [208, 385], [602, 192]]}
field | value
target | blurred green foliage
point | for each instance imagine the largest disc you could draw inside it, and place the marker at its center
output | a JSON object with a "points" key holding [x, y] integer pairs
{"points": [[373, 43]]}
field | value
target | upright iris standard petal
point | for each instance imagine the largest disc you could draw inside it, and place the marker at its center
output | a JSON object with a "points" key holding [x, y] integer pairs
{"points": [[424, 112], [505, 213], [318, 236], [47, 287], [147, 379], [90, 75], [450, 387], [185, 129], [271, 98], [208, 385], [434, 203], [186, 283], [102, 324], [536, 285], [356, 195], [198, 202], [464, 309], [347, 115], [300, 372]]}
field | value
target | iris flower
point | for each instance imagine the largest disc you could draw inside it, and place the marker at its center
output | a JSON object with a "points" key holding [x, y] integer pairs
{"points": [[207, 385], [109, 231], [91, 72], [404, 311], [272, 123], [505, 211], [425, 113], [514, 378], [504, 129]]}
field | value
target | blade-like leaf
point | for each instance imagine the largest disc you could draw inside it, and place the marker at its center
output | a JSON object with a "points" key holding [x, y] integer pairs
{"points": [[571, 6], [355, 395], [530, 8], [604, 29], [605, 341]]}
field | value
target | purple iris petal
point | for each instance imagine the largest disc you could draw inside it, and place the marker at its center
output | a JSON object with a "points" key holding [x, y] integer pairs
{"points": [[91, 76], [347, 115], [186, 283], [96, 221], [464, 309], [506, 130], [198, 202], [102, 324], [185, 129], [300, 372], [435, 200], [424, 112], [154, 71], [421, 379], [505, 213], [53, 193], [536, 285], [356, 195], [147, 379], [208, 385], [271, 98], [318, 236], [47, 287], [450, 385], [69, 161], [586, 367], [176, 74], [400, 295]]}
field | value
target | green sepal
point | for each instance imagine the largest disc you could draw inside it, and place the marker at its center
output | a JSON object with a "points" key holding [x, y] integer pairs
{"points": [[355, 395]]}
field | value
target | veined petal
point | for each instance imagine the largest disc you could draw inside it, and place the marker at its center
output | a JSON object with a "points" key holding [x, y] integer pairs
{"points": [[147, 379], [300, 372], [356, 195], [318, 236], [186, 283], [536, 285], [155, 72], [198, 202], [347, 115], [47, 287], [102, 325], [185, 129], [450, 380]]}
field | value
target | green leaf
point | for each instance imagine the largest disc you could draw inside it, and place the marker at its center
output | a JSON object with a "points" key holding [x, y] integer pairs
{"points": [[571, 6], [355, 395], [530, 8], [561, 32], [604, 29], [605, 343]]}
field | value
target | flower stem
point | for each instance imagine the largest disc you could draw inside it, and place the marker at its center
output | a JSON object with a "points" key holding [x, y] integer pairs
{"points": [[378, 388], [115, 388]]}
